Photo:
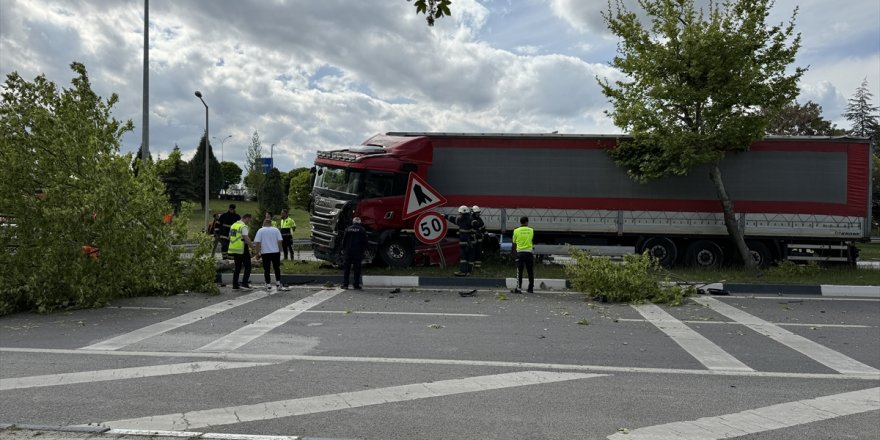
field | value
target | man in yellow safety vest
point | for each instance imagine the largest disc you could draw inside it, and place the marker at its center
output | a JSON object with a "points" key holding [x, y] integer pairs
{"points": [[240, 249], [522, 248]]}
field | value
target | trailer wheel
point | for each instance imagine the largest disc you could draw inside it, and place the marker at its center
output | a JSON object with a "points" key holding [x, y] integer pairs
{"points": [[397, 252], [661, 248], [704, 254], [760, 253]]}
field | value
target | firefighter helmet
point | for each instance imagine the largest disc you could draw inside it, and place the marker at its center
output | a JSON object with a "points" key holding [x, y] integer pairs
{"points": [[463, 209], [475, 209]]}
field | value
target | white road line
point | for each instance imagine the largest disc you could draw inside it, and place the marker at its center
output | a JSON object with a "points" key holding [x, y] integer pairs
{"points": [[819, 353], [466, 362], [702, 349], [265, 324], [49, 380], [804, 298], [173, 323], [781, 324], [137, 308], [346, 312], [196, 435], [341, 401], [768, 418]]}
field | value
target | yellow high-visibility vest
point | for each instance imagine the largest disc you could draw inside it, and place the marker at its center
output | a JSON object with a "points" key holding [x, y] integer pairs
{"points": [[522, 237], [236, 239], [288, 223]]}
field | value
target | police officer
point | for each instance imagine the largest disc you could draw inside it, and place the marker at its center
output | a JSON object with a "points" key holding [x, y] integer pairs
{"points": [[354, 243], [286, 225], [522, 248], [239, 248], [464, 221], [479, 233]]}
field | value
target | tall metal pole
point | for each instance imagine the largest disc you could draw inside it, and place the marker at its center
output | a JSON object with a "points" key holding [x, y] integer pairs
{"points": [[207, 142], [145, 128], [272, 156]]}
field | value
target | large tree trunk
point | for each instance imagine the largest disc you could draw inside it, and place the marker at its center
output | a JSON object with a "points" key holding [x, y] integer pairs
{"points": [[730, 218]]}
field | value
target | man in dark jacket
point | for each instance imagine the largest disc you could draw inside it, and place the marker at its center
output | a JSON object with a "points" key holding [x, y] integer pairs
{"points": [[354, 243], [226, 221]]}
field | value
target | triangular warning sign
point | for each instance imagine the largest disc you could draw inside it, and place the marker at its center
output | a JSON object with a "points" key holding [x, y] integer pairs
{"points": [[420, 197]]}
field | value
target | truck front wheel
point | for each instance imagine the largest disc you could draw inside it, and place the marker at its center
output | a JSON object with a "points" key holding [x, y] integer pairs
{"points": [[397, 252]]}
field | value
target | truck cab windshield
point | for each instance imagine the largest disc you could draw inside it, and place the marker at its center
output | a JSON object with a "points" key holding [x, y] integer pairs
{"points": [[360, 183], [342, 180]]}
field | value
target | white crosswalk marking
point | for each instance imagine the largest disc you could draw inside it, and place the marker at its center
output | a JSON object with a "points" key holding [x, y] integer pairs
{"points": [[49, 380], [768, 418], [264, 325], [173, 323], [704, 350], [340, 401], [819, 353]]}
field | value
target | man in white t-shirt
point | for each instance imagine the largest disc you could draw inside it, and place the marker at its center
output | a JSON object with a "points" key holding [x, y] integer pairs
{"points": [[268, 241]]}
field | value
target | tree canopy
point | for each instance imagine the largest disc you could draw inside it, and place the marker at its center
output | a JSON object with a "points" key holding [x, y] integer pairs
{"points": [[197, 171], [699, 84], [272, 194], [801, 120], [231, 174]]}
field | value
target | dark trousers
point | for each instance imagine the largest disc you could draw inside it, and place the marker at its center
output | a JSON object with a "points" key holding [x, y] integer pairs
{"points": [[242, 260], [352, 262], [465, 260], [478, 252], [287, 246], [273, 259], [527, 260]]}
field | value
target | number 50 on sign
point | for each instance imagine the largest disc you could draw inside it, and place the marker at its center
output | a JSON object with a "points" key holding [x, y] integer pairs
{"points": [[431, 227]]}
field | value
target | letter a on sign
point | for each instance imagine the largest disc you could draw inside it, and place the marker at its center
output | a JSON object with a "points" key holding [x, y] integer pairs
{"points": [[420, 197]]}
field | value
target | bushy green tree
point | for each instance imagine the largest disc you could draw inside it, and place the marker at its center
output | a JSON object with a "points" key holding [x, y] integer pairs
{"points": [[802, 120], [175, 174], [298, 194], [87, 230], [699, 84], [231, 174], [197, 172], [272, 194]]}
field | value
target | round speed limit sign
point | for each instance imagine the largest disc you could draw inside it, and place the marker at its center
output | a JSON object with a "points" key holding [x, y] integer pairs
{"points": [[431, 227]]}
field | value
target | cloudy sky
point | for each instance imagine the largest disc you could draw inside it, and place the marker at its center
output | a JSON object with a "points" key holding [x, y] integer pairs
{"points": [[310, 75]]}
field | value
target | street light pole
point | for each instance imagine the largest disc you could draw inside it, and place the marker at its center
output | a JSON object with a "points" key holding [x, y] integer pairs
{"points": [[222, 143], [207, 140]]}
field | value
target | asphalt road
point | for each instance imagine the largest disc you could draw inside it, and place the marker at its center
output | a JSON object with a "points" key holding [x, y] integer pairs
{"points": [[430, 364]]}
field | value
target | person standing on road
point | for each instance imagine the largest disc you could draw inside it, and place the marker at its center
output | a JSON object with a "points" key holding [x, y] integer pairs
{"points": [[522, 248], [268, 241], [226, 220], [287, 226], [479, 233], [239, 248], [354, 243]]}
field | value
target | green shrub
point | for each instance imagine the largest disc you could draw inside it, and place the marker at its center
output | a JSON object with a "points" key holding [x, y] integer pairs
{"points": [[636, 280]]}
